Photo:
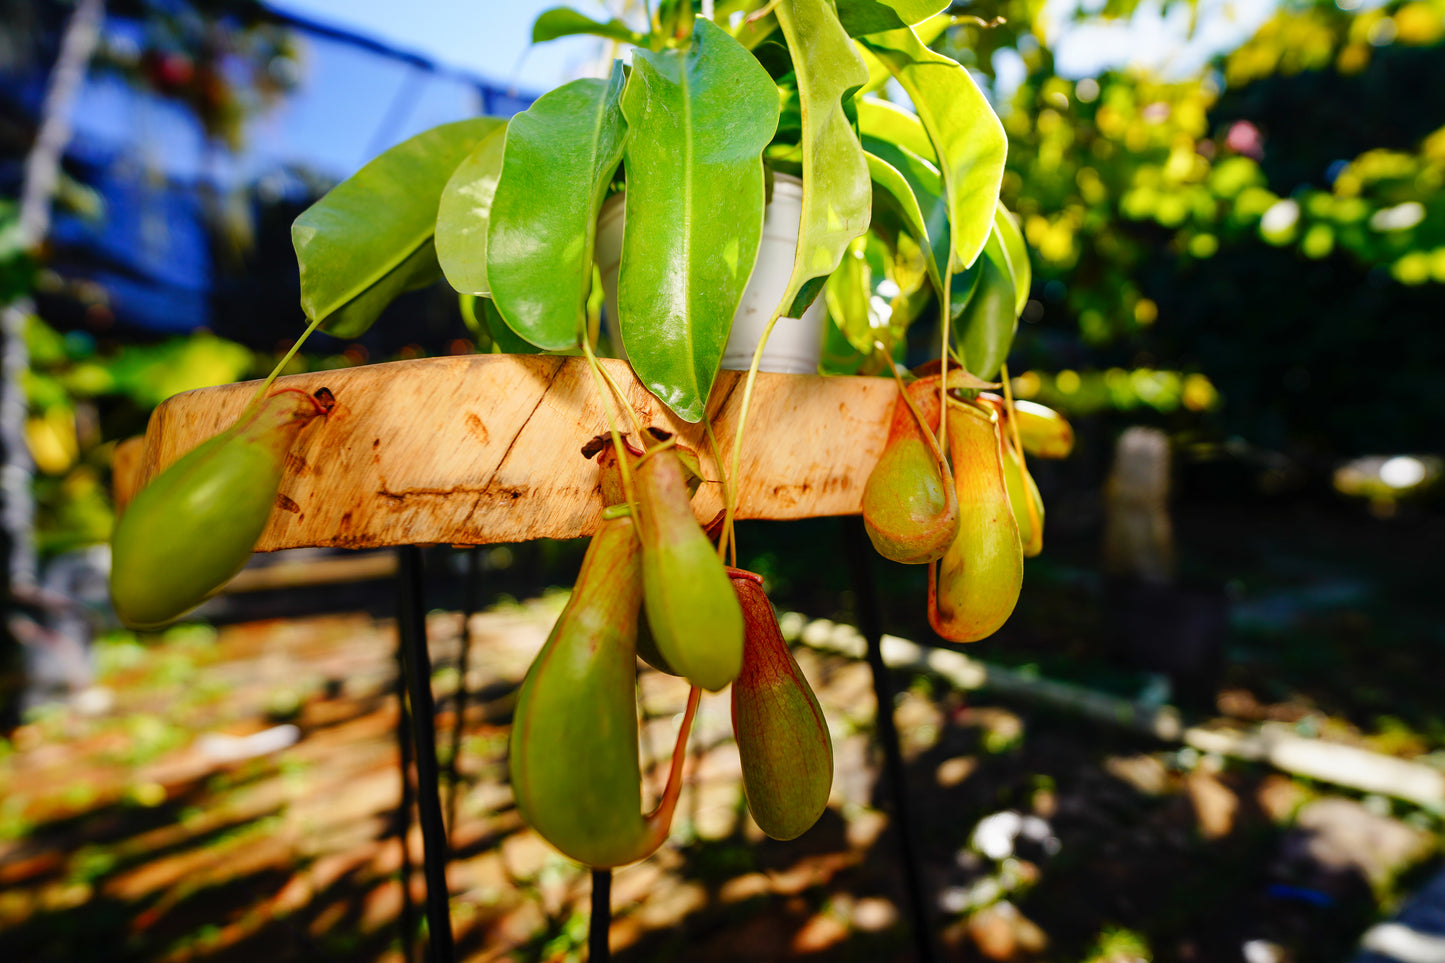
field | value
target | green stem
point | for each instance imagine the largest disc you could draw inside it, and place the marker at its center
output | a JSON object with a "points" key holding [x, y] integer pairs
{"points": [[598, 373], [285, 360], [732, 496]]}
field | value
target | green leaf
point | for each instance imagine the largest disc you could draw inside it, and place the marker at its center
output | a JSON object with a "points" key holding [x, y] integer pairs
{"points": [[837, 193], [488, 330], [463, 215], [886, 176], [883, 120], [559, 157], [862, 17], [1006, 226], [699, 121], [926, 185], [985, 329], [357, 315], [367, 228], [504, 340], [566, 22], [849, 295], [967, 136]]}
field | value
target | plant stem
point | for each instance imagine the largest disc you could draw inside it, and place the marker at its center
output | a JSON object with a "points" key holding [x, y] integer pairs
{"points": [[285, 360], [1013, 423], [732, 495], [945, 326], [598, 373], [728, 538]]}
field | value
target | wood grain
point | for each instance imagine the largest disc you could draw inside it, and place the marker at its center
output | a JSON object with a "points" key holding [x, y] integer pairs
{"points": [[481, 449]]}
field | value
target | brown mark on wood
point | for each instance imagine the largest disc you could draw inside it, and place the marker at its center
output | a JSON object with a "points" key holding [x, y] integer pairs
{"points": [[474, 423], [286, 504]]}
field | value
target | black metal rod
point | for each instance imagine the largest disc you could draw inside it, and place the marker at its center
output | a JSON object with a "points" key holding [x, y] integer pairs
{"points": [[870, 624], [412, 628], [599, 947], [407, 919], [471, 585]]}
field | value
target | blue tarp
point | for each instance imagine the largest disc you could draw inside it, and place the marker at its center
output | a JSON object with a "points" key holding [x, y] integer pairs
{"points": [[149, 161]]}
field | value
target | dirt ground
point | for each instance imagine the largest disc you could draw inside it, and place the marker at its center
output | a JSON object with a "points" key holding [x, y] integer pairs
{"points": [[135, 833]]}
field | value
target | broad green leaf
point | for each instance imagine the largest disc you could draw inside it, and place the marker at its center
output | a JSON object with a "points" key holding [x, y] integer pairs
{"points": [[366, 229], [1006, 226], [566, 22], [558, 159], [883, 120], [967, 137], [849, 295], [878, 73], [926, 183], [463, 214], [490, 332], [886, 176], [837, 194], [861, 17], [356, 315], [699, 121], [985, 329], [504, 339]]}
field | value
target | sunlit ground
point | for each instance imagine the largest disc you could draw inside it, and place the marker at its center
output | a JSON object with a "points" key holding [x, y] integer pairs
{"points": [[137, 834]]}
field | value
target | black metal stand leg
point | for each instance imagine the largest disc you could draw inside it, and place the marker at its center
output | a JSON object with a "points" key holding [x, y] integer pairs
{"points": [[412, 626], [599, 949], [403, 810], [860, 561], [470, 587]]}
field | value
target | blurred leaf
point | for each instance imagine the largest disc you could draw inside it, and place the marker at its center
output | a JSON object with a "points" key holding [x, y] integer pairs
{"points": [[966, 134], [464, 213], [566, 22], [700, 119], [370, 231], [559, 157]]}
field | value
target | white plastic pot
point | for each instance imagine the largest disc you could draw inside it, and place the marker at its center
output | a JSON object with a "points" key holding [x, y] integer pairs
{"points": [[796, 343]]}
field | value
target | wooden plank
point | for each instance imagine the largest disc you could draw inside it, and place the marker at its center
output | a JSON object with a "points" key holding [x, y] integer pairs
{"points": [[479, 449]]}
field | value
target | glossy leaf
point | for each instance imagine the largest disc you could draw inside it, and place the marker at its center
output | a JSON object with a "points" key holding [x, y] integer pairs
{"points": [[699, 120], [837, 195], [878, 73], [370, 231], [463, 215], [566, 22], [559, 157], [967, 136], [893, 183], [926, 185], [357, 315], [1006, 226], [985, 329], [861, 17], [884, 120]]}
